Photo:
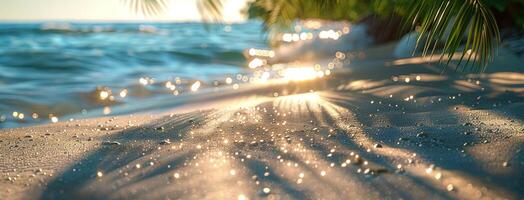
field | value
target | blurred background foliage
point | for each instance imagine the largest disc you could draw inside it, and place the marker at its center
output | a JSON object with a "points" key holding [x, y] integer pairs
{"points": [[509, 12]]}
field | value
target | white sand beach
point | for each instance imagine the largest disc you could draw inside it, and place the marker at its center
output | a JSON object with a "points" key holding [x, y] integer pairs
{"points": [[378, 127]]}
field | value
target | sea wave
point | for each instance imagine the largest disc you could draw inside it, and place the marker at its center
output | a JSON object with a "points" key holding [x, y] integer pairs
{"points": [[67, 28], [72, 61]]}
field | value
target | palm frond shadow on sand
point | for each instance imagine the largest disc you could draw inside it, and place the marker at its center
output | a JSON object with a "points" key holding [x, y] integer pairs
{"points": [[313, 145]]}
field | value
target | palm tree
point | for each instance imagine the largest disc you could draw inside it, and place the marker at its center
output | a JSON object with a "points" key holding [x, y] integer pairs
{"points": [[466, 26]]}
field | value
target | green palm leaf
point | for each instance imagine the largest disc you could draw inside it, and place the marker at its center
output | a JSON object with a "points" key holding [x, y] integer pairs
{"points": [[455, 22]]}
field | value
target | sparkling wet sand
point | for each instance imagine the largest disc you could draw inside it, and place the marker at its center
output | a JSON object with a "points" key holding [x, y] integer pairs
{"points": [[378, 129]]}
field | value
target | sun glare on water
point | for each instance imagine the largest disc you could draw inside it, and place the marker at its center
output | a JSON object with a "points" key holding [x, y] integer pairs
{"points": [[300, 74], [195, 86]]}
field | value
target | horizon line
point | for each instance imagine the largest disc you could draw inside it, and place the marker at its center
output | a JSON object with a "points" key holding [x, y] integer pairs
{"points": [[120, 21]]}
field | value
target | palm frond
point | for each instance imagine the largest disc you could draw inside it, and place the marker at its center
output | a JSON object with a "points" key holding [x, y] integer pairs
{"points": [[210, 10], [147, 7], [452, 22]]}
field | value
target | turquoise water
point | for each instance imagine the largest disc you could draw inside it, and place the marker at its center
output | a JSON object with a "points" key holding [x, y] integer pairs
{"points": [[56, 69]]}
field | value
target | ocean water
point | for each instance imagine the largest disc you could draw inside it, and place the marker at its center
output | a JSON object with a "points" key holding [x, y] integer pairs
{"points": [[57, 69]]}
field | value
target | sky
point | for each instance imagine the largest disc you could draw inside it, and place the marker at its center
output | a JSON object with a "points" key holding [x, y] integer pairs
{"points": [[106, 10]]}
